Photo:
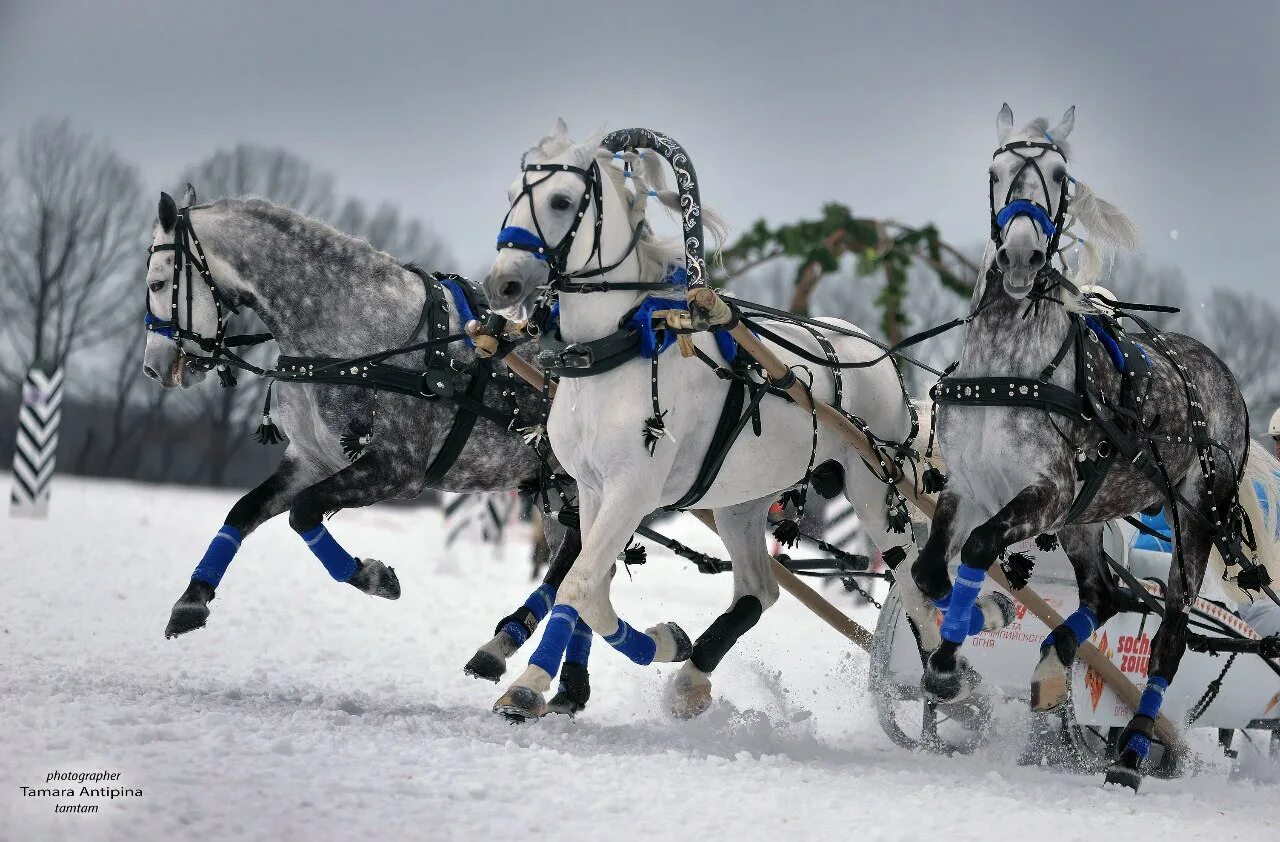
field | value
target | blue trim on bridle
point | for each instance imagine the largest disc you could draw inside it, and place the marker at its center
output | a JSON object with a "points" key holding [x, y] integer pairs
{"points": [[513, 236], [151, 321], [1026, 207]]}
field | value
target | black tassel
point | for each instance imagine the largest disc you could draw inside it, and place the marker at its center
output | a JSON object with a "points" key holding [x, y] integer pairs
{"points": [[1046, 542], [358, 437], [898, 519], [226, 377], [634, 554], [1017, 569], [787, 532], [268, 432], [654, 429], [933, 480]]}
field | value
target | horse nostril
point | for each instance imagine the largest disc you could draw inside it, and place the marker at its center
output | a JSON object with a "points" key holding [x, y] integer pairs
{"points": [[510, 289], [1002, 257], [150, 372], [1037, 257]]}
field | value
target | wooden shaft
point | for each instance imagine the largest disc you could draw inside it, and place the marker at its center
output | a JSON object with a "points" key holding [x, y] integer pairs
{"points": [[1128, 692], [807, 596], [526, 371]]}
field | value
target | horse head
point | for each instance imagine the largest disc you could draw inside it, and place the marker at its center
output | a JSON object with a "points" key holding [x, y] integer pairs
{"points": [[177, 302]]}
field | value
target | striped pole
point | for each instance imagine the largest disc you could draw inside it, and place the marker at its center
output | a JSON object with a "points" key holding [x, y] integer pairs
{"points": [[37, 443]]}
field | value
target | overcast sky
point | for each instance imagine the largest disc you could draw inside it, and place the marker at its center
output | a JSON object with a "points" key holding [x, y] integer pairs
{"points": [[889, 107]]}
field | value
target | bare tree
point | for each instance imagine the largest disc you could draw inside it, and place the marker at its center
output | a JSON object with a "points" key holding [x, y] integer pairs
{"points": [[274, 174], [72, 226], [387, 229]]}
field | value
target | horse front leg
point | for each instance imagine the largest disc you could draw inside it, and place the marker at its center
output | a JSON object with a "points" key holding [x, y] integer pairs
{"points": [[1097, 587], [584, 596], [270, 498], [490, 661], [742, 529], [948, 678], [372, 478]]}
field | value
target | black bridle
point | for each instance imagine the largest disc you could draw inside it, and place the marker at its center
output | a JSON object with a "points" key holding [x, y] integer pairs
{"points": [[187, 255], [1046, 219], [560, 278]]}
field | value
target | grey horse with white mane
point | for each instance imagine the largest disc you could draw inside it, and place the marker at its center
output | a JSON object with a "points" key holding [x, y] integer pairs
{"points": [[1057, 420], [325, 294]]}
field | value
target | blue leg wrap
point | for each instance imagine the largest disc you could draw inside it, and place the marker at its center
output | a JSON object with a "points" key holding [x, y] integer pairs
{"points": [[1082, 621], [579, 645], [1140, 744], [636, 645], [218, 557], [945, 602], [964, 593], [555, 639], [1152, 697], [538, 603], [1148, 706], [340, 563]]}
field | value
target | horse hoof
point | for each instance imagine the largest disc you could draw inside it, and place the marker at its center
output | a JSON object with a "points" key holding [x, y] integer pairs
{"points": [[574, 692], [674, 645], [485, 666], [1049, 693], [520, 704], [191, 611], [689, 701], [943, 685], [376, 579], [998, 611], [1121, 775]]}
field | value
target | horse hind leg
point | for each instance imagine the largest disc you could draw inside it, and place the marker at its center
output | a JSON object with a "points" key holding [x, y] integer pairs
{"points": [[742, 529], [1186, 571], [372, 478], [1096, 584], [271, 497]]}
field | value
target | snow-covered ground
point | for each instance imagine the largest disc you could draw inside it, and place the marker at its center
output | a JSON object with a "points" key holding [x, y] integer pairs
{"points": [[308, 711]]}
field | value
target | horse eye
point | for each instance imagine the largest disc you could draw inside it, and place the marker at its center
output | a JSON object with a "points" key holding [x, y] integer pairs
{"points": [[560, 202], [1059, 175]]}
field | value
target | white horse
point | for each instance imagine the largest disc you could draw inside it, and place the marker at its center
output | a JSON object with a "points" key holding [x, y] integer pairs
{"points": [[597, 422]]}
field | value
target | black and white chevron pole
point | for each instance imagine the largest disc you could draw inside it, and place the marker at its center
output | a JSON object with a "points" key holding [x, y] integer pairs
{"points": [[37, 444]]}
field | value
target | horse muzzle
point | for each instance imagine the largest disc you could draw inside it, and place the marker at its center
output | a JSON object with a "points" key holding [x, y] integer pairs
{"points": [[512, 281]]}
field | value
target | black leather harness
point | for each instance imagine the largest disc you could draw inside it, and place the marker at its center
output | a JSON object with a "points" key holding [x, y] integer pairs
{"points": [[1125, 430], [443, 376]]}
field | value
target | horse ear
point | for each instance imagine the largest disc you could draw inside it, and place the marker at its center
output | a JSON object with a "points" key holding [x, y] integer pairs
{"points": [[189, 197], [561, 128], [1065, 125], [168, 212], [1004, 123]]}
